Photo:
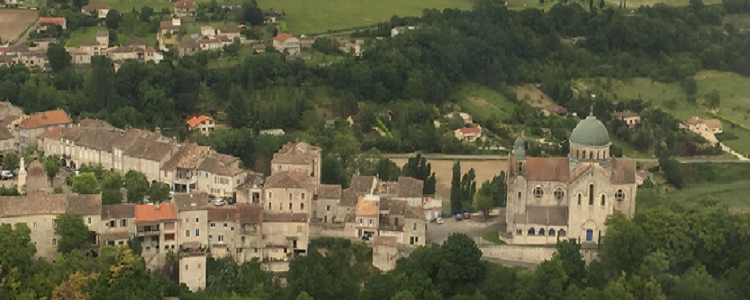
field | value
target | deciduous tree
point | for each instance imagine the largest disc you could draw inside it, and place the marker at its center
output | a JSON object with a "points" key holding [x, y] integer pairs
{"points": [[52, 164], [85, 183], [72, 231]]}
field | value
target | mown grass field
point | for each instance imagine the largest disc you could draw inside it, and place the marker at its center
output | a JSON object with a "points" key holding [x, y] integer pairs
{"points": [[634, 4], [735, 194], [127, 5], [735, 95], [742, 143], [481, 102], [89, 34]]}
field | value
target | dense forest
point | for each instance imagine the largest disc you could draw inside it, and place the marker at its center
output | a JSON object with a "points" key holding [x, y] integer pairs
{"points": [[670, 252]]}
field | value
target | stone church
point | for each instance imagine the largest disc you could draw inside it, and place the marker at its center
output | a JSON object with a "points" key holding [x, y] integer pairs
{"points": [[554, 198]]}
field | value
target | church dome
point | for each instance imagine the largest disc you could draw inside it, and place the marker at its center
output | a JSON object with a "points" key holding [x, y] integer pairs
{"points": [[590, 133], [518, 143]]}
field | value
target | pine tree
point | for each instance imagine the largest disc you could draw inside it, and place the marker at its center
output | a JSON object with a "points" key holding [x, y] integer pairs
{"points": [[456, 187]]}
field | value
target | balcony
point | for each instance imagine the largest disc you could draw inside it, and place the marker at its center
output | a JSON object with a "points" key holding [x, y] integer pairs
{"points": [[185, 180], [148, 230]]}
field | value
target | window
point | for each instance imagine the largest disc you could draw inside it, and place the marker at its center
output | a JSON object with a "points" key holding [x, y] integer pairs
{"points": [[538, 192], [187, 220], [286, 228], [281, 206], [519, 232], [187, 233], [551, 232], [243, 239], [210, 237], [302, 206], [197, 220], [559, 193], [54, 242], [270, 195], [531, 231], [519, 195], [370, 221], [123, 222], [290, 205], [54, 223], [231, 229], [303, 196], [360, 221], [299, 228], [213, 225], [197, 232], [541, 231], [589, 235], [561, 233], [33, 225], [88, 221], [111, 224], [270, 229], [591, 194], [186, 267], [225, 225], [269, 206], [221, 238], [328, 208], [603, 200], [620, 196], [414, 226], [579, 199], [411, 240]]}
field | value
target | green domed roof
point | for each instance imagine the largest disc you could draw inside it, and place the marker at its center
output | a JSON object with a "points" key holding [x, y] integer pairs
{"points": [[590, 132], [518, 143], [519, 154]]}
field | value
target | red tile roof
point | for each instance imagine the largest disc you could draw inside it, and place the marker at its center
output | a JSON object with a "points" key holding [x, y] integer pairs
{"points": [[46, 118], [281, 37], [168, 25], [471, 131], [52, 21], [53, 133], [195, 121], [154, 213], [184, 4], [547, 169]]}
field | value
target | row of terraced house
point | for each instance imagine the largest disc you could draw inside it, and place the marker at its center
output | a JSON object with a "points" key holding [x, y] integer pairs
{"points": [[273, 218]]}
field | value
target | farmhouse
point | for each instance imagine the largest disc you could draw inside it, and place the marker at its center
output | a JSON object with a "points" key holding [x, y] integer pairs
{"points": [[230, 33], [203, 124], [32, 128], [96, 10], [184, 8], [286, 43], [702, 126], [170, 27], [470, 134], [630, 118], [44, 23]]}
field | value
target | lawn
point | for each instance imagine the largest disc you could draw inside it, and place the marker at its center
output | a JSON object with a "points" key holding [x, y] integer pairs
{"points": [[671, 97], [318, 58], [735, 194], [742, 143], [481, 102], [493, 237], [127, 5]]}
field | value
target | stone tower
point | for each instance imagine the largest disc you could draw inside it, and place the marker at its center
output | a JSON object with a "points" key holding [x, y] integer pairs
{"points": [[21, 175]]}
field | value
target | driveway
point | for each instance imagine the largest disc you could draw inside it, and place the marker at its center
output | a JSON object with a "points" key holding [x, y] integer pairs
{"points": [[712, 138]]}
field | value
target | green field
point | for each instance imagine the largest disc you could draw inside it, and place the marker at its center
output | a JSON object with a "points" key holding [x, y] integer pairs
{"points": [[735, 95], [127, 5], [481, 102], [735, 194], [742, 143], [635, 4], [89, 34]]}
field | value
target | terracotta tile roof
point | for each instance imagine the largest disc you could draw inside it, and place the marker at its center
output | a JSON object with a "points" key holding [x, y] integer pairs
{"points": [[288, 180], [34, 203], [473, 131], [102, 33], [118, 211], [155, 213], [184, 4], [557, 109], [285, 217], [222, 213], [85, 204], [409, 187], [100, 137], [214, 165], [414, 212], [543, 215], [623, 171], [95, 6], [227, 159], [547, 169], [52, 21], [223, 38], [47, 118], [329, 191], [168, 25], [281, 37], [187, 157], [249, 214], [190, 202], [196, 120], [367, 207], [388, 241]]}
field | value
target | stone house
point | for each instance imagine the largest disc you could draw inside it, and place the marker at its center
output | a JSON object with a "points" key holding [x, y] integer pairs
{"points": [[366, 216], [184, 8], [220, 175], [209, 44], [568, 197], [222, 231], [327, 203], [703, 126], [630, 118], [188, 47], [204, 124], [34, 126], [249, 236], [285, 235], [156, 230], [470, 134], [251, 190], [96, 144], [298, 157], [117, 224], [192, 213], [384, 253], [148, 154], [180, 171], [102, 37], [43, 24], [170, 27], [208, 31], [230, 33], [96, 10], [287, 44]]}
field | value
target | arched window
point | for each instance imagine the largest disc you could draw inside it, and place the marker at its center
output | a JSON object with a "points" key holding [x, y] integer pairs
{"points": [[584, 154], [620, 195], [551, 232], [579, 199], [597, 154], [591, 194], [520, 167], [591, 155], [541, 231], [531, 231], [578, 153], [603, 200], [519, 195], [561, 233]]}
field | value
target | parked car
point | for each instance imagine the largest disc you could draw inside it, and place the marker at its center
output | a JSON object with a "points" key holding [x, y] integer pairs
{"points": [[6, 175], [458, 217], [467, 215], [439, 220], [220, 202]]}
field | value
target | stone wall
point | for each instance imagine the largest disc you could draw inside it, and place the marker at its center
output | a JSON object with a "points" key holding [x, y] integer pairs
{"points": [[529, 254], [332, 230]]}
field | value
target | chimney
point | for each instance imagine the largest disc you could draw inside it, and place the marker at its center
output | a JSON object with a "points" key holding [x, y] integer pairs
{"points": [[157, 207]]}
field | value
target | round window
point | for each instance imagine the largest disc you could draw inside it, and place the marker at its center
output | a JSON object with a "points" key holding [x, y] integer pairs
{"points": [[538, 192], [559, 193], [620, 195]]}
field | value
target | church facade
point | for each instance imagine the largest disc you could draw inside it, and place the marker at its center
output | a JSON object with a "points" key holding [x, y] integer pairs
{"points": [[555, 198]]}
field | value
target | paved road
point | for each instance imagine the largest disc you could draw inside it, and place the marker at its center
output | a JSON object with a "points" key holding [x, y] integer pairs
{"points": [[25, 36]]}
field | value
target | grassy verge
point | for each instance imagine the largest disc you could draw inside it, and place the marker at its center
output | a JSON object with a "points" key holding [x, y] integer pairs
{"points": [[481, 102], [493, 237]]}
